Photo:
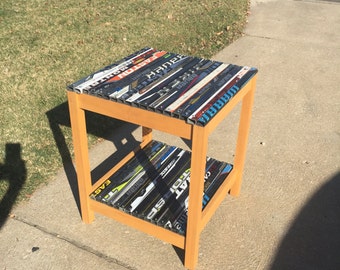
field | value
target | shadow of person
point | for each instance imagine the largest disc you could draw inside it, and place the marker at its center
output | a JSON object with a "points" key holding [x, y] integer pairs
{"points": [[313, 240], [13, 171]]}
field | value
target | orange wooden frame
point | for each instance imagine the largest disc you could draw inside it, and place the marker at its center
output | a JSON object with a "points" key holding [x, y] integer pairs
{"points": [[197, 219]]}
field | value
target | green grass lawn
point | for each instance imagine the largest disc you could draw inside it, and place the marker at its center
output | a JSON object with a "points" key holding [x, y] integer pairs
{"points": [[46, 45]]}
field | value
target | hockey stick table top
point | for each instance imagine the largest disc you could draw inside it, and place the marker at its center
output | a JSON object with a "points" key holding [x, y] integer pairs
{"points": [[145, 118]]}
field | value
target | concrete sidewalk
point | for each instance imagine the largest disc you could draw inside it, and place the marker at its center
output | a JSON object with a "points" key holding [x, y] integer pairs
{"points": [[288, 213]]}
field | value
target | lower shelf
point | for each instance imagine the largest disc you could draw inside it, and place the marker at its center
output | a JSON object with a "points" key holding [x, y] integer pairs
{"points": [[154, 185]]}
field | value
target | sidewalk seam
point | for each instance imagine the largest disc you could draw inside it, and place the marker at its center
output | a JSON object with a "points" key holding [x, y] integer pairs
{"points": [[75, 243], [329, 2], [256, 36], [288, 41]]}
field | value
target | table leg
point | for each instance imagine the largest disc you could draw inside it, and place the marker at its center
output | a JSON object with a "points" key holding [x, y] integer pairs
{"points": [[80, 144], [147, 134], [194, 224], [242, 139]]}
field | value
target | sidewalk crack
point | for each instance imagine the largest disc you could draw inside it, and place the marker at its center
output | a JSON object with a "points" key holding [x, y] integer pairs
{"points": [[256, 36], [75, 244], [329, 2]]}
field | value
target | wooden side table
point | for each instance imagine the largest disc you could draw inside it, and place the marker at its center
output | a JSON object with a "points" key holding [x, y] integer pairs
{"points": [[197, 218]]}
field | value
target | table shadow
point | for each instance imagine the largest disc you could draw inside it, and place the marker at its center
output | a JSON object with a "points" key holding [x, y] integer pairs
{"points": [[118, 132]]}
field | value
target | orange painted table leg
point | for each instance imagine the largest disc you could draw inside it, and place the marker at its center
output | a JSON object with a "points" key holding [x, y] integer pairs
{"points": [[80, 144], [242, 138], [198, 163], [147, 134]]}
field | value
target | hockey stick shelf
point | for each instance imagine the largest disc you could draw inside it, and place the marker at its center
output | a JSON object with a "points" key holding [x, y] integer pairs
{"points": [[198, 213]]}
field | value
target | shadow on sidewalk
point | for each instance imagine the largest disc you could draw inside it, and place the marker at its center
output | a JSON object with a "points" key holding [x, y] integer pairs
{"points": [[313, 240], [120, 133], [13, 171], [102, 127]]}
